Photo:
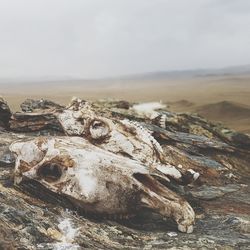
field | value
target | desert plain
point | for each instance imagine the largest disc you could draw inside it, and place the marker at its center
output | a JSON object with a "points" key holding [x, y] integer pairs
{"points": [[218, 98]]}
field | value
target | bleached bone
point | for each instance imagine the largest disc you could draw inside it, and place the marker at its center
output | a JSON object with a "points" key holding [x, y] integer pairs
{"points": [[148, 109], [124, 137], [96, 180]]}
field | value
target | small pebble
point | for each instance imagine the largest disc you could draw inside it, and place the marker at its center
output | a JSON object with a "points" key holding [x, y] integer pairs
{"points": [[172, 234]]}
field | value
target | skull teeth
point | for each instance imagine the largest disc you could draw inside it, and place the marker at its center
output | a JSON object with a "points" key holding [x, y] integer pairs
{"points": [[163, 121], [185, 229]]}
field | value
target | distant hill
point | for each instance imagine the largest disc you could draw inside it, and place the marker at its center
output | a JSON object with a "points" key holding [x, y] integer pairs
{"points": [[232, 114], [182, 103], [158, 75], [224, 111]]}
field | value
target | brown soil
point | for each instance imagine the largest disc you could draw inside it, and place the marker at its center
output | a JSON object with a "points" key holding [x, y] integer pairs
{"points": [[223, 99]]}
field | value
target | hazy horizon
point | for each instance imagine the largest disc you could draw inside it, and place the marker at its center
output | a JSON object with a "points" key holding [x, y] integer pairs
{"points": [[192, 72], [98, 39]]}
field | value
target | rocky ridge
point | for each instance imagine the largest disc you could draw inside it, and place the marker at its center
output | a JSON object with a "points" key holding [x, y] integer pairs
{"points": [[220, 197]]}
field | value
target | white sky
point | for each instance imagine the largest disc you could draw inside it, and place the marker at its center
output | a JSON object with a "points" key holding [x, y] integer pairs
{"points": [[98, 38]]}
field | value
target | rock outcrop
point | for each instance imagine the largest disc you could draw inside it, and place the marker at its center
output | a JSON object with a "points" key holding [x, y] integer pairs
{"points": [[32, 217], [5, 114]]}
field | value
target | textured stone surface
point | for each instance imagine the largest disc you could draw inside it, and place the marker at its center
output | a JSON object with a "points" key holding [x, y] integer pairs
{"points": [[220, 197], [212, 192], [31, 105], [5, 114], [43, 122]]}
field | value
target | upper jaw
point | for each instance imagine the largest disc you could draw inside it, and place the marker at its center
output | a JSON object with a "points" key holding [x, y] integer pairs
{"points": [[113, 180]]}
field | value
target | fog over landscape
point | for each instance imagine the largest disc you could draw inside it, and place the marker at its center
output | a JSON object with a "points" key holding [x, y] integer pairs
{"points": [[193, 55], [96, 38], [124, 124]]}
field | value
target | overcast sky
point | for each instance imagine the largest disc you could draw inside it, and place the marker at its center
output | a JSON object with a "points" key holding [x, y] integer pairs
{"points": [[98, 38]]}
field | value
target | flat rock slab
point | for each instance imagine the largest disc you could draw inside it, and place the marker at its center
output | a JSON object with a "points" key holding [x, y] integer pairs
{"points": [[212, 192], [31, 105]]}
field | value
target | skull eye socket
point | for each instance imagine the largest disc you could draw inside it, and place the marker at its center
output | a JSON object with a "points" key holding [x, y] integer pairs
{"points": [[98, 129], [50, 172]]}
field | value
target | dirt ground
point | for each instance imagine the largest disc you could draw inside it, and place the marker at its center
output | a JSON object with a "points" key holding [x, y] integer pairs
{"points": [[223, 99]]}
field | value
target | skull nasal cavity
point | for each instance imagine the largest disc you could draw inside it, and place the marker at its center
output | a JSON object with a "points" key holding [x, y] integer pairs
{"points": [[50, 172]]}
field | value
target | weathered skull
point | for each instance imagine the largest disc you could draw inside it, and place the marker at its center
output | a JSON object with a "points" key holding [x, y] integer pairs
{"points": [[121, 137], [96, 180]]}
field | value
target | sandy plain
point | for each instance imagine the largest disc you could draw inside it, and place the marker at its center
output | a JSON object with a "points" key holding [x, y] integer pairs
{"points": [[223, 99]]}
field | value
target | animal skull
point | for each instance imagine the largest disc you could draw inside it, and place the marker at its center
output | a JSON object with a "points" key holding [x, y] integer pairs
{"points": [[96, 180], [122, 137]]}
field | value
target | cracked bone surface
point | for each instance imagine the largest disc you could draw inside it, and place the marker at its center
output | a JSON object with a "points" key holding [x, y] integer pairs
{"points": [[121, 137], [96, 180]]}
